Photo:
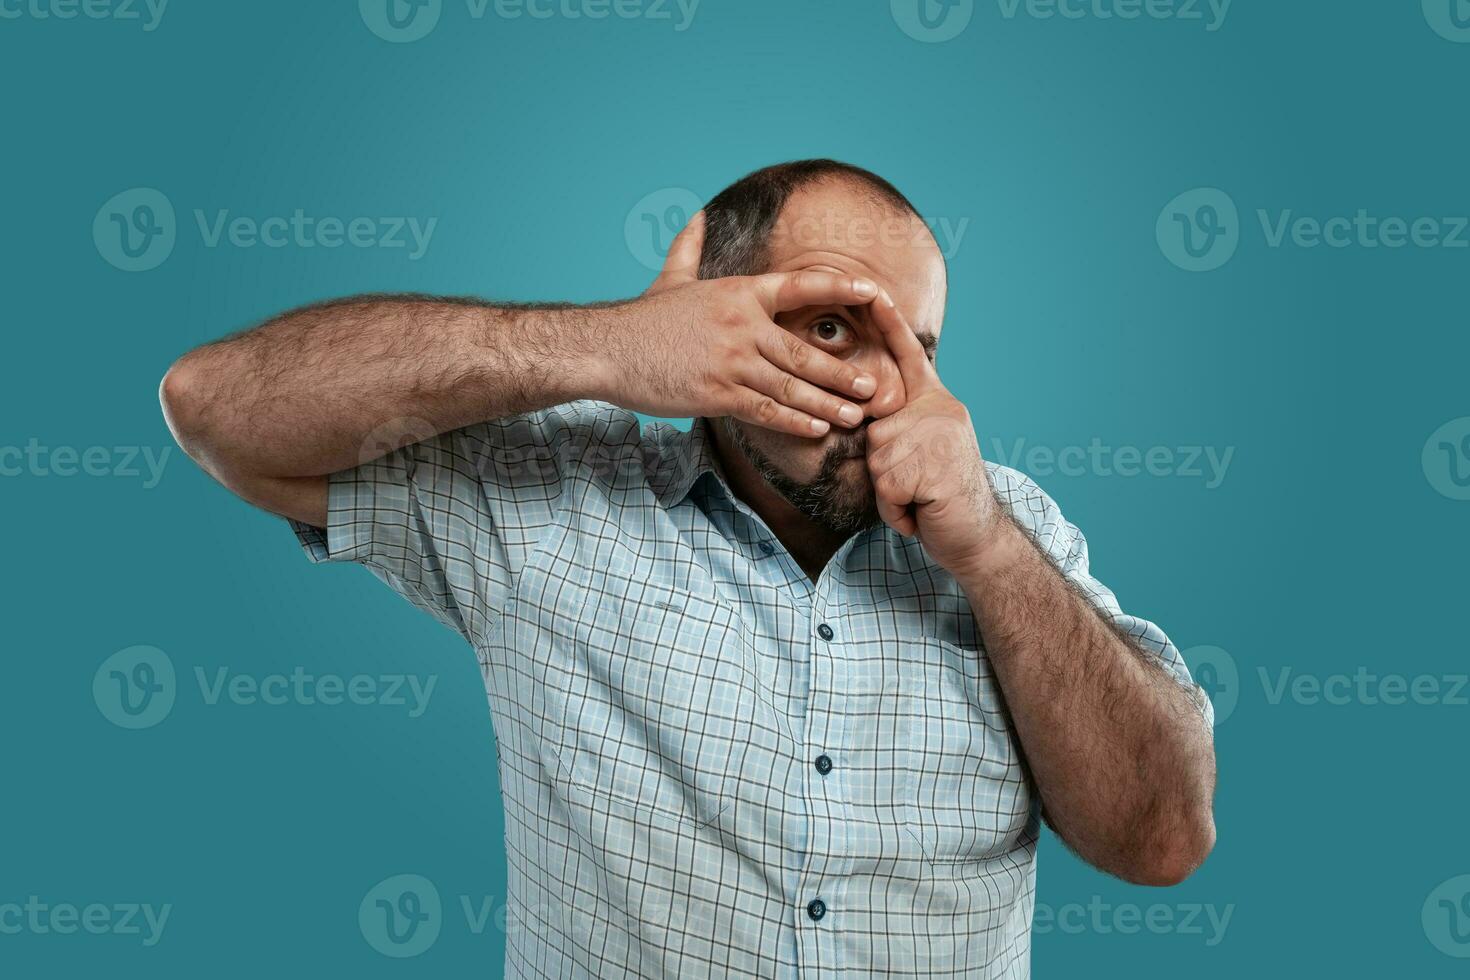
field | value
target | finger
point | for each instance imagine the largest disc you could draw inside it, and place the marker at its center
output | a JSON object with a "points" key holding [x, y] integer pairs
{"points": [[913, 364], [884, 458], [886, 431], [893, 493], [796, 357], [896, 517], [792, 290], [759, 408], [793, 392], [682, 263]]}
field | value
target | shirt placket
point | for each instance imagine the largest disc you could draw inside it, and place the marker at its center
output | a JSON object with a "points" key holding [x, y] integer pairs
{"points": [[821, 898]]}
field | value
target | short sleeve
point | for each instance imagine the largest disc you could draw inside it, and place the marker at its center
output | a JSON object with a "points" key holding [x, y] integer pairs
{"points": [[449, 522], [1063, 542]]}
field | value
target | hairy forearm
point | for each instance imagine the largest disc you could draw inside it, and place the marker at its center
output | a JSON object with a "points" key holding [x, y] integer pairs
{"points": [[315, 390], [1117, 748]]}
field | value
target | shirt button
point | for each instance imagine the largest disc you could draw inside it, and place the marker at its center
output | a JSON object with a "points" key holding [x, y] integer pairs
{"points": [[816, 909], [825, 631], [824, 764], [766, 548]]}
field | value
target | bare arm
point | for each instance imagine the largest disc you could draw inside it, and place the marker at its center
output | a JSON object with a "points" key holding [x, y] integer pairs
{"points": [[272, 411], [1120, 753], [1119, 750]]}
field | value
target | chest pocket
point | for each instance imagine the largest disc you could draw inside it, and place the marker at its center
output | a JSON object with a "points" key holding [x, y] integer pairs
{"points": [[648, 696], [969, 792]]}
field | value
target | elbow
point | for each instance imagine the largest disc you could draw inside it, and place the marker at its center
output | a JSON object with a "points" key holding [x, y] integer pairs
{"points": [[179, 396], [1173, 857]]}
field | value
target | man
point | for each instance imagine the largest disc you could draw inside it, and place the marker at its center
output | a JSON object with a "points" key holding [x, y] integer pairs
{"points": [[787, 694]]}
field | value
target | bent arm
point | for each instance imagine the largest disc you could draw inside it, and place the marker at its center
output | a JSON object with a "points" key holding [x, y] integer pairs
{"points": [[270, 412], [1119, 750]]}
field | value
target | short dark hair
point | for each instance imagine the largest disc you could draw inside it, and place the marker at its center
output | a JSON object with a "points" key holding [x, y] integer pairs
{"points": [[740, 218]]}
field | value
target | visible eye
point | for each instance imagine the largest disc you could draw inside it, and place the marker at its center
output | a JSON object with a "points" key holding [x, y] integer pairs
{"points": [[831, 331]]}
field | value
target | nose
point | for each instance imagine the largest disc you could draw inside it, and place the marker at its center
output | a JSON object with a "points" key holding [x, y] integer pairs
{"points": [[889, 396]]}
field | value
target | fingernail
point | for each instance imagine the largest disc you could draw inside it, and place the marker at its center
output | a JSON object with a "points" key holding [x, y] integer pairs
{"points": [[850, 414], [865, 385], [865, 287], [820, 426]]}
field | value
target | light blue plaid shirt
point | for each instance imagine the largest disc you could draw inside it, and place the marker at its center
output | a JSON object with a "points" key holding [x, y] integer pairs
{"points": [[712, 766]]}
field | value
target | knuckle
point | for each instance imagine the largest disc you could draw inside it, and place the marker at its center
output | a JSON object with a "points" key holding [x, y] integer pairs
{"points": [[765, 409], [799, 353]]}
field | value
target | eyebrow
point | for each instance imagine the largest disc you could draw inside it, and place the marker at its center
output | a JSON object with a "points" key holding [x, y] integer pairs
{"points": [[927, 340]]}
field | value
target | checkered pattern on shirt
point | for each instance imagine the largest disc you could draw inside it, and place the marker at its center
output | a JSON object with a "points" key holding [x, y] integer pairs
{"points": [[660, 688]]}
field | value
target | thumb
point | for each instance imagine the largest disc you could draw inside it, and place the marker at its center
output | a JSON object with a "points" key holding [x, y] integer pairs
{"points": [[682, 263]]}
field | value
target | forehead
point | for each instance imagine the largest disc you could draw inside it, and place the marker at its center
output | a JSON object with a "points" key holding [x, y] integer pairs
{"points": [[844, 226]]}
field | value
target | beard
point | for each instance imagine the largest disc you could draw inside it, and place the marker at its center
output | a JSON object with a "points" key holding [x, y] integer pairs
{"points": [[838, 505]]}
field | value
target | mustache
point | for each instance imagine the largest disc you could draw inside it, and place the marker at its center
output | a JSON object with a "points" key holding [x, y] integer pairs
{"points": [[849, 445], [853, 443]]}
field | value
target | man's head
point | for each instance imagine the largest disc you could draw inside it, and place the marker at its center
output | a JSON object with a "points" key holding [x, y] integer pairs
{"points": [[828, 216]]}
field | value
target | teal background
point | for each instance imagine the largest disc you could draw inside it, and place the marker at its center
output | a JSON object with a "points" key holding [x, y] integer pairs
{"points": [[1325, 548]]}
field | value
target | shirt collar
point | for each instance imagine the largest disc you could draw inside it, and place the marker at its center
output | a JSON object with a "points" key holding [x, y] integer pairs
{"points": [[687, 457]]}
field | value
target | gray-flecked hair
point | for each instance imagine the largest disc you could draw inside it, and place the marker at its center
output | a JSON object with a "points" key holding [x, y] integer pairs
{"points": [[740, 218]]}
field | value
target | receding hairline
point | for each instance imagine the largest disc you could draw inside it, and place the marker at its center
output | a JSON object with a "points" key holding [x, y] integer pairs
{"points": [[741, 217]]}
